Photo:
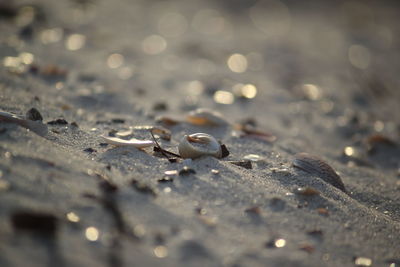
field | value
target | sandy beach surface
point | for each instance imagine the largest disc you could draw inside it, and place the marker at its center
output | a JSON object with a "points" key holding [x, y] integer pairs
{"points": [[317, 77]]}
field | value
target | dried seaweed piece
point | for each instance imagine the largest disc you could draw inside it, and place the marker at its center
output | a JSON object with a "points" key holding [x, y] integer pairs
{"points": [[162, 151], [318, 167]]}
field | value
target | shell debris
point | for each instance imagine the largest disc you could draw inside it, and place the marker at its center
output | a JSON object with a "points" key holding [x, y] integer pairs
{"points": [[131, 142], [206, 117], [316, 166], [199, 144]]}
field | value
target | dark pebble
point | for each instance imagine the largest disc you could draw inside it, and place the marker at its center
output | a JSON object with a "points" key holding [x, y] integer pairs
{"points": [[225, 151], [41, 222], [103, 144], [90, 150], [34, 115], [74, 124], [118, 121], [112, 133], [186, 171], [165, 179], [58, 122]]}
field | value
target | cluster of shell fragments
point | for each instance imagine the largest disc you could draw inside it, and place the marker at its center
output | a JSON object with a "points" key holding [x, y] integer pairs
{"points": [[191, 146]]}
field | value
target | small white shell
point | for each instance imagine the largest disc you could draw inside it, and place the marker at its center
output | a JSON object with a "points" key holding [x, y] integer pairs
{"points": [[204, 116], [131, 142], [199, 144]]}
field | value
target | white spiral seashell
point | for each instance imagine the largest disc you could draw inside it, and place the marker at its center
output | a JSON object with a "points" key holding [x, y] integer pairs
{"points": [[199, 144]]}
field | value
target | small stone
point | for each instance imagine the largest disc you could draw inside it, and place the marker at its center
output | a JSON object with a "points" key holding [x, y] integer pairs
{"points": [[362, 261], [171, 173], [34, 115], [276, 243], [89, 150], [306, 191], [118, 120], [214, 171], [165, 179], [72, 217], [112, 133], [253, 157], [58, 122], [187, 171], [224, 151]]}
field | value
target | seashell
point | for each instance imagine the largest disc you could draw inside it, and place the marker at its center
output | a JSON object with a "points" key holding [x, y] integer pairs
{"points": [[199, 144], [167, 121], [318, 167], [158, 130], [206, 117], [131, 142]]}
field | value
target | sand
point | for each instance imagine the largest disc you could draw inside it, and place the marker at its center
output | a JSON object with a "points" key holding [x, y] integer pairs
{"points": [[101, 205]]}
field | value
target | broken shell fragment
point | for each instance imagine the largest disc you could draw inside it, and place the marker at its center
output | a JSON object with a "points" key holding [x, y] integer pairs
{"points": [[318, 167], [131, 142], [157, 130], [199, 144], [206, 117]]}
